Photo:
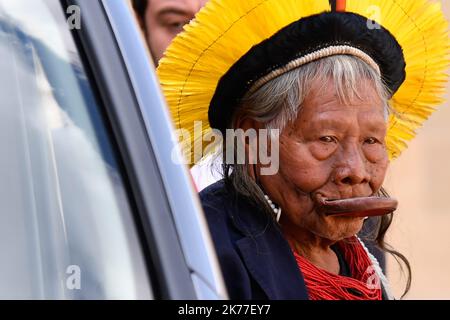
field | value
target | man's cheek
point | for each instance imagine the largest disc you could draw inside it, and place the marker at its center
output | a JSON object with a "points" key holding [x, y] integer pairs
{"points": [[300, 165], [308, 177], [321, 151], [378, 174]]}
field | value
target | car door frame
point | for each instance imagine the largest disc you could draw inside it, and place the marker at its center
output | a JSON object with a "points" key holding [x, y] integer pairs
{"points": [[179, 252]]}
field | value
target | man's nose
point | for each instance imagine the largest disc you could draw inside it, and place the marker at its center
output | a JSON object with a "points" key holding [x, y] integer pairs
{"points": [[351, 169]]}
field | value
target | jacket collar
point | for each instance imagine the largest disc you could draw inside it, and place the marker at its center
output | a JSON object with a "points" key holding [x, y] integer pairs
{"points": [[267, 254]]}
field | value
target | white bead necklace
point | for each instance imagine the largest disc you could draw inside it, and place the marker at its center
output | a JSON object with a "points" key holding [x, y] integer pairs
{"points": [[276, 210]]}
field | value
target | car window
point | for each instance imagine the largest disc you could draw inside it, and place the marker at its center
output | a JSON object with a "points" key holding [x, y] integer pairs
{"points": [[66, 226]]}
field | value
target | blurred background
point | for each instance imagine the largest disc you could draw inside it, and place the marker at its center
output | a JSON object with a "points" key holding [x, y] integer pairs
{"points": [[420, 180]]}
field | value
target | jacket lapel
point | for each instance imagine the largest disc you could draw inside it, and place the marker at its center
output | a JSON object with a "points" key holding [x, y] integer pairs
{"points": [[271, 263]]}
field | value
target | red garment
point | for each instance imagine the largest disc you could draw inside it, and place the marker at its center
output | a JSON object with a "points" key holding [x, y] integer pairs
{"points": [[323, 285]]}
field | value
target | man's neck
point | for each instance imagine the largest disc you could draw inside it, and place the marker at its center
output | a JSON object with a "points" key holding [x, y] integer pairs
{"points": [[315, 249]]}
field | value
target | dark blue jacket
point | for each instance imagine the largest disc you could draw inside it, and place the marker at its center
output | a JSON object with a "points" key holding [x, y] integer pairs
{"points": [[256, 260]]}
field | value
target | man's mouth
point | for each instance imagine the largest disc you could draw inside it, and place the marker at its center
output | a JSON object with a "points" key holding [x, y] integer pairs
{"points": [[355, 207]]}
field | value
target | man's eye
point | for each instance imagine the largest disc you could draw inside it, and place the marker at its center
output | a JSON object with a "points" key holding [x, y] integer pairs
{"points": [[176, 26], [328, 139], [371, 140]]}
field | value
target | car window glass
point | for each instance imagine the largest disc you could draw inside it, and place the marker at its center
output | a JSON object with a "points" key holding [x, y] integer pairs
{"points": [[66, 227]]}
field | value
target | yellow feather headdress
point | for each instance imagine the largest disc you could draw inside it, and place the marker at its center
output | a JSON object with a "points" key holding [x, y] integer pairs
{"points": [[225, 30]]}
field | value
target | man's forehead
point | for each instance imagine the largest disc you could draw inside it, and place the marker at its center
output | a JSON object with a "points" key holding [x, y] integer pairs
{"points": [[329, 104], [336, 111], [193, 5], [326, 94]]}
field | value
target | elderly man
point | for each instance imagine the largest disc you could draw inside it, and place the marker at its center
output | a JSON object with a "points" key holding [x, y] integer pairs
{"points": [[342, 96]]}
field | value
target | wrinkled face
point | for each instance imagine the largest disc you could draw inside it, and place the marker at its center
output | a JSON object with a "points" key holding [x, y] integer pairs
{"points": [[164, 19], [335, 149]]}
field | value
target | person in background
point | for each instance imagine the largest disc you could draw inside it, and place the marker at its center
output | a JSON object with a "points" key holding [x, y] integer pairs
{"points": [[162, 20]]}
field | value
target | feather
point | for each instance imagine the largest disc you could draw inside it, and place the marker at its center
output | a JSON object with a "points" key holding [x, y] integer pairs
{"points": [[422, 31]]}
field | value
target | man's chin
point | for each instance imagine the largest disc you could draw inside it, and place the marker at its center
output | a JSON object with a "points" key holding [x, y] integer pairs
{"points": [[342, 227]]}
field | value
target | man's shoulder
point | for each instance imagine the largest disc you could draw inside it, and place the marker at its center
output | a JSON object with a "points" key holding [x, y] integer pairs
{"points": [[215, 191], [224, 206], [216, 199]]}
